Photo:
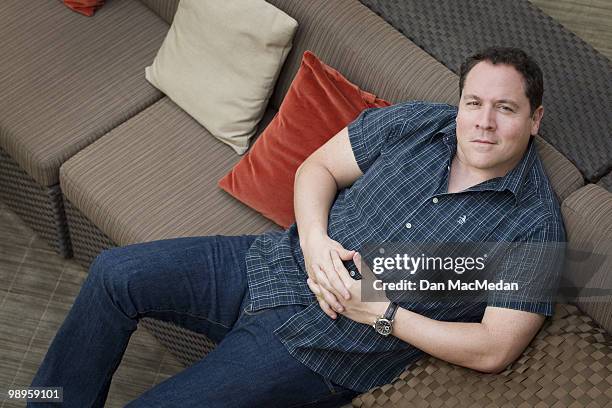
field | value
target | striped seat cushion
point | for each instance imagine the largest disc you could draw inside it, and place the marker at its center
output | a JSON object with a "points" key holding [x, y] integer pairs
{"points": [[155, 177], [67, 79], [588, 266]]}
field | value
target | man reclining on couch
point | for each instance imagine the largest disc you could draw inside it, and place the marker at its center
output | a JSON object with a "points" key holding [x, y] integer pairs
{"points": [[286, 314]]}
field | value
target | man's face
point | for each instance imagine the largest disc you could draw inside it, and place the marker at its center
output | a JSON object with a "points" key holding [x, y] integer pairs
{"points": [[494, 121]]}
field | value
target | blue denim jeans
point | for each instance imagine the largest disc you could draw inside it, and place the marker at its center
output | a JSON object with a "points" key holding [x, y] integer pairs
{"points": [[198, 283]]}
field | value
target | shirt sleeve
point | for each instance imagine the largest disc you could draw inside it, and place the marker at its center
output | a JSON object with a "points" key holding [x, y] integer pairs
{"points": [[376, 129], [372, 129], [535, 263]]}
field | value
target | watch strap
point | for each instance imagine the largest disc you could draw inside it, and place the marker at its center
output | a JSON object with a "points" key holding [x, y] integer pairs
{"points": [[390, 312]]}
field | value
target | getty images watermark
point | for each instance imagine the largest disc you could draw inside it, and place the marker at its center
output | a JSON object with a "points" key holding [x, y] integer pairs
{"points": [[481, 272]]}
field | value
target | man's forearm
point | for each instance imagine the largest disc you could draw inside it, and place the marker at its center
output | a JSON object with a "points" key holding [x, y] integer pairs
{"points": [[314, 192], [466, 344]]}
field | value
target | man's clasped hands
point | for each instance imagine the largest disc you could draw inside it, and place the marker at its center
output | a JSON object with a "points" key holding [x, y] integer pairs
{"points": [[336, 291]]}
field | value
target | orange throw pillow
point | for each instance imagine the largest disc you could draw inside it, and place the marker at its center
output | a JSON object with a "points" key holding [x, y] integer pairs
{"points": [[319, 103], [85, 7]]}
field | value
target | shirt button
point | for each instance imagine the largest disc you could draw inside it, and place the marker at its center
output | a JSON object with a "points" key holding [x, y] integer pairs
{"points": [[435, 200], [408, 225], [352, 273]]}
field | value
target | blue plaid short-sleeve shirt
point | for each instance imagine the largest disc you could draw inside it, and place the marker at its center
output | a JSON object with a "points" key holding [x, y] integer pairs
{"points": [[405, 152]]}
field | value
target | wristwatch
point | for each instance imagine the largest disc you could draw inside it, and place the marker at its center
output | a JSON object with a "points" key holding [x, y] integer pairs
{"points": [[384, 324]]}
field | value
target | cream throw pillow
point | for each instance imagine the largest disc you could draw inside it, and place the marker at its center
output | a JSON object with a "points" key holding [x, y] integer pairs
{"points": [[220, 61]]}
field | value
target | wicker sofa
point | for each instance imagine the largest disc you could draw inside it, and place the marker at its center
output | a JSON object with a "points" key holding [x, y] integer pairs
{"points": [[92, 156]]}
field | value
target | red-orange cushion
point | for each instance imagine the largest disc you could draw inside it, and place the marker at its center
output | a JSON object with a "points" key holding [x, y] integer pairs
{"points": [[319, 103], [85, 7]]}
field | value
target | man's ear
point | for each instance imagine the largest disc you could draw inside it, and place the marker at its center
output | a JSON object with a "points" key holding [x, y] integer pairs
{"points": [[536, 119]]}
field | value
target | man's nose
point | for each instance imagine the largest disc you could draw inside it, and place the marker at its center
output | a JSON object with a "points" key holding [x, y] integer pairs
{"points": [[486, 119]]}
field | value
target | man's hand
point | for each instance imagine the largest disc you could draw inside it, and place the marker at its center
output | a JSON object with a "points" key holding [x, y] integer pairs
{"points": [[323, 258], [326, 171], [353, 307]]}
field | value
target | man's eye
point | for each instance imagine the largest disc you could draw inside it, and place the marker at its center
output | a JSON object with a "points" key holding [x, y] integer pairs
{"points": [[506, 108], [472, 103]]}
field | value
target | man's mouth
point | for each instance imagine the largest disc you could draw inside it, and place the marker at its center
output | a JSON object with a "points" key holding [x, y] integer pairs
{"points": [[483, 141]]}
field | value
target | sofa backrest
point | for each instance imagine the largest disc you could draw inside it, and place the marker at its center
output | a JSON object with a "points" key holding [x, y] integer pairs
{"points": [[369, 52], [587, 214]]}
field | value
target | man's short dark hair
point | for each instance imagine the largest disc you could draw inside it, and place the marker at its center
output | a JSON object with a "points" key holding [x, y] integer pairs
{"points": [[515, 57]]}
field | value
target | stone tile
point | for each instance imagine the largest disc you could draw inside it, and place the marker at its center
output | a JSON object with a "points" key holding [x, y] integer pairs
{"points": [[23, 306], [39, 243], [14, 342], [24, 377], [53, 317], [169, 367], [30, 364], [11, 257], [6, 378], [9, 366], [121, 393], [35, 281], [39, 344], [15, 231], [45, 258], [70, 284], [13, 404]]}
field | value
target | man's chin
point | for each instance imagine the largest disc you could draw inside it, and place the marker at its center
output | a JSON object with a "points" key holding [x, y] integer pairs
{"points": [[483, 164]]}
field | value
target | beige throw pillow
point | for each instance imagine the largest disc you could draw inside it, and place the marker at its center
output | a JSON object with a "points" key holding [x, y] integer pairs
{"points": [[220, 61]]}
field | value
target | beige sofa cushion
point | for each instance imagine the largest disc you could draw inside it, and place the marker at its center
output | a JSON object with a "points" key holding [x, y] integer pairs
{"points": [[564, 177], [66, 79], [587, 214], [155, 177], [220, 62]]}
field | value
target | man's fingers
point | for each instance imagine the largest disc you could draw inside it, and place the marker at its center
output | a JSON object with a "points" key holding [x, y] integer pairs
{"points": [[331, 300], [328, 295], [347, 281], [327, 309], [340, 270], [316, 289], [323, 280]]}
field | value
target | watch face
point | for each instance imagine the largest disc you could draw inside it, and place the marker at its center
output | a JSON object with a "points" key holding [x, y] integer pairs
{"points": [[383, 326]]}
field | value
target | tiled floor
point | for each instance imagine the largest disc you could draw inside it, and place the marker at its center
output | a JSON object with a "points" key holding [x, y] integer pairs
{"points": [[37, 287]]}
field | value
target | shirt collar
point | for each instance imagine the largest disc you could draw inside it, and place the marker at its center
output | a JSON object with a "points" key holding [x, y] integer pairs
{"points": [[517, 177]]}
